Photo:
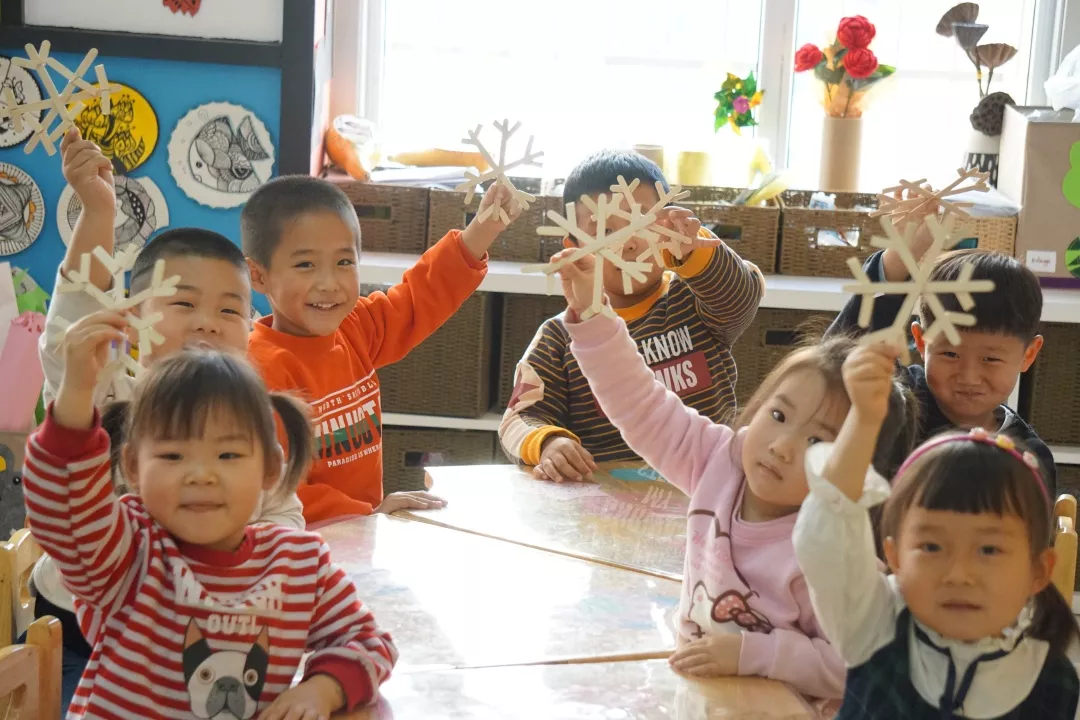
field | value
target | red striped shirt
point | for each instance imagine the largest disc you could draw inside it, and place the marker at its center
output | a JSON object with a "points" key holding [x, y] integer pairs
{"points": [[180, 631]]}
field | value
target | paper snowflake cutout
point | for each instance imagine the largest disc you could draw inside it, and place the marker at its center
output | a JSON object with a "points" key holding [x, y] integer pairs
{"points": [[607, 248], [919, 195], [63, 105], [117, 265], [919, 285], [498, 170]]}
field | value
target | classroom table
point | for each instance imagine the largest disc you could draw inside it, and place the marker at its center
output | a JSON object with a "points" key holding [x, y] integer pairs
{"points": [[623, 519], [642, 690], [453, 599]]}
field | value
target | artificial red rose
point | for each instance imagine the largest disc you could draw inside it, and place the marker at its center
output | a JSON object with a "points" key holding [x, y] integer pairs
{"points": [[808, 57], [856, 32], [860, 63]]}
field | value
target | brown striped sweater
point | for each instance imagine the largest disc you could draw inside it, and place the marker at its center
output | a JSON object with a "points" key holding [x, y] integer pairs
{"points": [[684, 330]]}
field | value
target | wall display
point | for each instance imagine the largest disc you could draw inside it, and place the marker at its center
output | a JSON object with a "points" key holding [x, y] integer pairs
{"points": [[220, 153], [128, 134], [140, 211], [22, 210], [24, 89]]}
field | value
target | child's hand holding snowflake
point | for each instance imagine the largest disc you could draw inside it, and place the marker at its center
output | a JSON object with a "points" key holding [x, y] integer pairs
{"points": [[868, 378], [685, 222], [86, 348], [892, 265], [479, 236], [577, 280], [88, 172]]}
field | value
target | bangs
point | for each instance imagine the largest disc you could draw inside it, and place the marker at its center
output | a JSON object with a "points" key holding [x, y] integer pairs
{"points": [[185, 390]]}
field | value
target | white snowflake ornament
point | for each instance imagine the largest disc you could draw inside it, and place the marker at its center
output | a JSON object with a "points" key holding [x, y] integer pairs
{"points": [[919, 285], [919, 195], [498, 171], [64, 105]]}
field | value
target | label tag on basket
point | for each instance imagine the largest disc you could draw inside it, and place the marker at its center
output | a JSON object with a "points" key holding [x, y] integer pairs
{"points": [[1042, 261]]}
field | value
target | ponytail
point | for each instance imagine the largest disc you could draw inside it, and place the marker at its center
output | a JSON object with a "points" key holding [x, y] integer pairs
{"points": [[114, 419], [298, 436], [1054, 621]]}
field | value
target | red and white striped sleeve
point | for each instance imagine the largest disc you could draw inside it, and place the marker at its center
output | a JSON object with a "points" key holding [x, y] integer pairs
{"points": [[74, 513], [346, 643]]}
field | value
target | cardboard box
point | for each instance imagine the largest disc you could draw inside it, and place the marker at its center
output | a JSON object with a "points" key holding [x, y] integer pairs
{"points": [[1038, 147]]}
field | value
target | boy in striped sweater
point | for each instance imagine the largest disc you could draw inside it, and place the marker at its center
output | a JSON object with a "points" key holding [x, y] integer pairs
{"points": [[683, 319], [192, 612]]}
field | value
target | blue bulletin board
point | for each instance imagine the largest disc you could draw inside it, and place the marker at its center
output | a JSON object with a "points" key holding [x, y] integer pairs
{"points": [[172, 88]]}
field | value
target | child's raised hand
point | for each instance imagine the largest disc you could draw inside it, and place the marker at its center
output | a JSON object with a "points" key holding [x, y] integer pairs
{"points": [[709, 656], [577, 279], [410, 501], [868, 377], [316, 698], [563, 458], [88, 172], [685, 222], [86, 353], [479, 236]]}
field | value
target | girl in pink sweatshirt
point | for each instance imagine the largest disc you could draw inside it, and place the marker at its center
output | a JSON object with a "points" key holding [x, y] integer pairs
{"points": [[745, 607]]}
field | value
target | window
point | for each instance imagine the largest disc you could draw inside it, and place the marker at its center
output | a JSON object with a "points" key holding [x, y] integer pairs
{"points": [[584, 74]]}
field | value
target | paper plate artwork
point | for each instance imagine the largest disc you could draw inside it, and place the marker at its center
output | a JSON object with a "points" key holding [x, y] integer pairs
{"points": [[220, 153], [22, 210], [25, 90], [140, 211], [128, 134]]}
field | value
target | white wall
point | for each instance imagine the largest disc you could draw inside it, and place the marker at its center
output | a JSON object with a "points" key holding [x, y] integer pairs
{"points": [[233, 19]]}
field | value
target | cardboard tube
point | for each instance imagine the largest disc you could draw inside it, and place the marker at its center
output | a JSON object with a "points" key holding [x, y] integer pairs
{"points": [[841, 141]]}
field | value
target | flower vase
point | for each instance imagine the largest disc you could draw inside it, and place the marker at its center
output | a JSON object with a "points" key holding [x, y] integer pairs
{"points": [[841, 140], [982, 154]]}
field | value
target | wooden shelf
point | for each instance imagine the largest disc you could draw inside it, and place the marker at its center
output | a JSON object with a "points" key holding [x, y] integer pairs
{"points": [[781, 291], [488, 422], [1066, 454]]}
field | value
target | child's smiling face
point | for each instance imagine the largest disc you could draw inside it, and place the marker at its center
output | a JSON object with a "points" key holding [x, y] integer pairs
{"points": [[966, 576]]}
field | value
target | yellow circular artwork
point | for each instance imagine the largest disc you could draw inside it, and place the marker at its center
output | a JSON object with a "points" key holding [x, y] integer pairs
{"points": [[128, 134]]}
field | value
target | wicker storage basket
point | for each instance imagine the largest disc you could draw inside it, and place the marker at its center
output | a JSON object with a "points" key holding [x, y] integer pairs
{"points": [[518, 243], [393, 218], [448, 374], [752, 232], [1055, 386], [805, 233], [772, 335], [522, 317], [407, 451]]}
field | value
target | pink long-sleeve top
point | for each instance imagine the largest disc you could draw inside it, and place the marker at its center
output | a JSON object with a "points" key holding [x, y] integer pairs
{"points": [[739, 577]]}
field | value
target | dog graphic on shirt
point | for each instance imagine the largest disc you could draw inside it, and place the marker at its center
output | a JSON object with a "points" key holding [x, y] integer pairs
{"points": [[224, 685], [717, 615]]}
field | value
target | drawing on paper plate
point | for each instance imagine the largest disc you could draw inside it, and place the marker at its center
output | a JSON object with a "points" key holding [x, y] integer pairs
{"points": [[220, 153], [128, 134], [22, 210], [140, 211], [25, 89]]}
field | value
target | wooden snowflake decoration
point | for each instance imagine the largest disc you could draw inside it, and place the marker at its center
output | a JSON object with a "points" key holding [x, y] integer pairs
{"points": [[919, 285], [908, 199], [63, 105], [607, 248], [498, 170], [118, 265]]}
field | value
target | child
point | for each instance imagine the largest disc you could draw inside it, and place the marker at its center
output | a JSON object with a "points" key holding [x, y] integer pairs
{"points": [[190, 610], [967, 386], [302, 240], [968, 625], [684, 323], [744, 609], [212, 307]]}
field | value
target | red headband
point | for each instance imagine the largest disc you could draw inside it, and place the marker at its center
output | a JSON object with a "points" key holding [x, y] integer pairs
{"points": [[982, 436]]}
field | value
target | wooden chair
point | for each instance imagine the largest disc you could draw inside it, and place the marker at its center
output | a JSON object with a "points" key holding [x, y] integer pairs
{"points": [[1065, 546], [30, 674], [17, 558]]}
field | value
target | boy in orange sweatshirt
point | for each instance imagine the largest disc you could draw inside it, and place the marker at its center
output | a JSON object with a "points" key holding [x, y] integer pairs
{"points": [[323, 341]]}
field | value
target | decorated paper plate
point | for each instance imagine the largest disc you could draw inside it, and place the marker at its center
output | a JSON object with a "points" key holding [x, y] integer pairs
{"points": [[220, 153], [22, 210], [140, 211], [128, 134], [26, 90]]}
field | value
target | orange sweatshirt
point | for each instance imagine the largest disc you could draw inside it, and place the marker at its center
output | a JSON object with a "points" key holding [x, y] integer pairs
{"points": [[336, 373]]}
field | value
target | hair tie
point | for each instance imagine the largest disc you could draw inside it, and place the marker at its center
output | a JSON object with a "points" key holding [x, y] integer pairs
{"points": [[980, 435]]}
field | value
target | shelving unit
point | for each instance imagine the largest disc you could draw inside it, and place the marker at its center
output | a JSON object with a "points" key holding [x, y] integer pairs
{"points": [[781, 291]]}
